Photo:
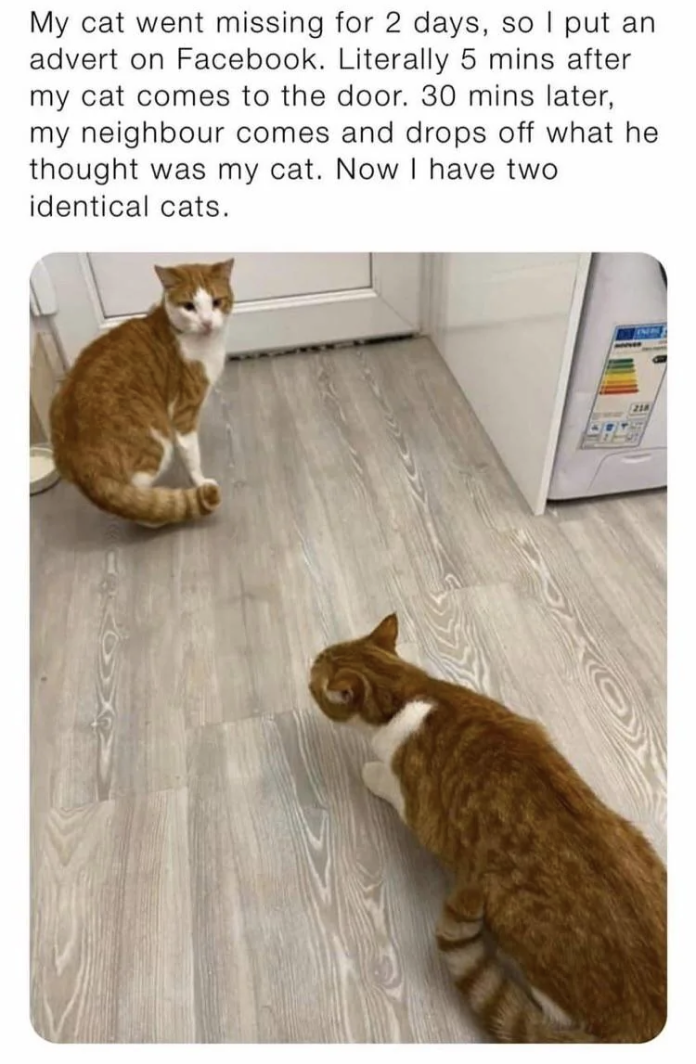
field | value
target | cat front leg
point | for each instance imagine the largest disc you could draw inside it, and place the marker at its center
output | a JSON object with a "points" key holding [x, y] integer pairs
{"points": [[188, 448], [381, 781]]}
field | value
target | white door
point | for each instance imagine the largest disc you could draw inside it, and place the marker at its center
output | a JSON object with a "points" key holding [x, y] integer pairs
{"points": [[506, 325], [284, 300]]}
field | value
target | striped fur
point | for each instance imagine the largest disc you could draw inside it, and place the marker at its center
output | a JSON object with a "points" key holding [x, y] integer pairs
{"points": [[150, 505], [574, 894], [135, 394], [498, 1002]]}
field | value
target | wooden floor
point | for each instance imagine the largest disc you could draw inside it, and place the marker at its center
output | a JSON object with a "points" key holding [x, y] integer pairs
{"points": [[207, 865]]}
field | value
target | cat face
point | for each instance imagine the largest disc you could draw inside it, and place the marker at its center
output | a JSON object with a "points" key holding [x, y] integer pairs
{"points": [[198, 299], [352, 680]]}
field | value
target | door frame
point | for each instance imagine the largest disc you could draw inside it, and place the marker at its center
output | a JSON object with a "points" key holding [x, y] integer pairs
{"points": [[68, 298]]}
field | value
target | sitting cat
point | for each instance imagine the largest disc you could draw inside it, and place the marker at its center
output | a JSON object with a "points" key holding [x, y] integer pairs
{"points": [[571, 891], [136, 393]]}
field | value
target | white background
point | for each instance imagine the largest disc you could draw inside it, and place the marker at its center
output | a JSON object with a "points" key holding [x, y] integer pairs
{"points": [[628, 201], [617, 184]]}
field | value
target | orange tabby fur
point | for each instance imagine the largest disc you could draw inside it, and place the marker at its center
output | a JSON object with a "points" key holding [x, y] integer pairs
{"points": [[571, 891], [129, 386]]}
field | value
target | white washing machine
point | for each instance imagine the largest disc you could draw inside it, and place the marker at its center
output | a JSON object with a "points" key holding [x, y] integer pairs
{"points": [[613, 435]]}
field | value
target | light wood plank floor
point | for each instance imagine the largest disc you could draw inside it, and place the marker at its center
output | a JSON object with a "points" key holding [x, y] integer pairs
{"points": [[207, 865]]}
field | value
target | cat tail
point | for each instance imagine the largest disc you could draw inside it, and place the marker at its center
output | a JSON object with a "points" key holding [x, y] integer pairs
{"points": [[498, 1002], [152, 506]]}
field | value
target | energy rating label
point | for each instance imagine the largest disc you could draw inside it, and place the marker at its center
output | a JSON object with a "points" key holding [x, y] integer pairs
{"points": [[620, 377], [631, 379]]}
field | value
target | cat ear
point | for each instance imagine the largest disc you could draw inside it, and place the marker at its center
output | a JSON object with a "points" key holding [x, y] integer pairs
{"points": [[223, 268], [346, 689], [168, 275], [386, 633]]}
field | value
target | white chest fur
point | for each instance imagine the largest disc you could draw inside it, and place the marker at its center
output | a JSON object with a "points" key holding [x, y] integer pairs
{"points": [[378, 776], [407, 721], [208, 350]]}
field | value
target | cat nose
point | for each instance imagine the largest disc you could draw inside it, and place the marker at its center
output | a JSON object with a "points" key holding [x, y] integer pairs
{"points": [[207, 326]]}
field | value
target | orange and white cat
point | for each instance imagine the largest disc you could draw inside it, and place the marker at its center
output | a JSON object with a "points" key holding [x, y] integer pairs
{"points": [[135, 395], [572, 893]]}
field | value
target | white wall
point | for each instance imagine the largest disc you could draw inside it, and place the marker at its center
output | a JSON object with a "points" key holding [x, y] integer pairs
{"points": [[506, 325]]}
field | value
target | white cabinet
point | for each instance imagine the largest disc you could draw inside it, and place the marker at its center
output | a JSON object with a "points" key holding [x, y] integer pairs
{"points": [[506, 326]]}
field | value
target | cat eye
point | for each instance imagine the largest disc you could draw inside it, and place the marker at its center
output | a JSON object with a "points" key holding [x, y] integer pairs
{"points": [[216, 303], [188, 306]]}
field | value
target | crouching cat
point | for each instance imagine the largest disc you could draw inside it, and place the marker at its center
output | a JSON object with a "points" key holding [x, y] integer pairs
{"points": [[135, 395], [570, 891]]}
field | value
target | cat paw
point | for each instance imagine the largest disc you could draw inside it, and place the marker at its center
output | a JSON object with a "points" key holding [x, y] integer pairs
{"points": [[208, 496], [381, 781], [373, 776]]}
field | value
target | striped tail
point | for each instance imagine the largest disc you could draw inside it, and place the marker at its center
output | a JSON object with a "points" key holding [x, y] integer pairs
{"points": [[154, 506], [498, 1002]]}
